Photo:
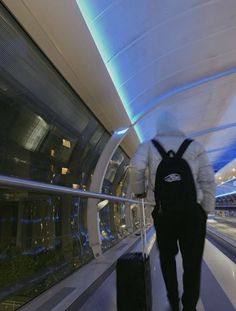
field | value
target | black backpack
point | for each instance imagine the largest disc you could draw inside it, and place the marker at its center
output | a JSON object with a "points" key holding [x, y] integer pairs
{"points": [[174, 185]]}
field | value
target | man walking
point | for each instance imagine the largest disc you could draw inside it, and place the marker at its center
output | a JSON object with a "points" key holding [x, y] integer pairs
{"points": [[181, 181]]}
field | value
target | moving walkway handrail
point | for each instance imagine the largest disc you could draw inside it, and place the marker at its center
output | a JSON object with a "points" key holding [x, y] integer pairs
{"points": [[19, 183]]}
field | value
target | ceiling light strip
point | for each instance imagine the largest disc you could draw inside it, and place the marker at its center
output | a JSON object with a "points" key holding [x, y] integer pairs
{"points": [[86, 9], [154, 104]]}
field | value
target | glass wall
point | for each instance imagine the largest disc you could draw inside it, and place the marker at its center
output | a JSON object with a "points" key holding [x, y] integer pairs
{"points": [[112, 216], [221, 222], [41, 242], [47, 134]]}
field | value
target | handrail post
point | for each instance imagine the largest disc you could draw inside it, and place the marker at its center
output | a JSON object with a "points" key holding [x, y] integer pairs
{"points": [[93, 224], [128, 212], [143, 227]]}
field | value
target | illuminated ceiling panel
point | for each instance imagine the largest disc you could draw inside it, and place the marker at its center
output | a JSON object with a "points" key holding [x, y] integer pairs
{"points": [[161, 55], [172, 55], [92, 12]]}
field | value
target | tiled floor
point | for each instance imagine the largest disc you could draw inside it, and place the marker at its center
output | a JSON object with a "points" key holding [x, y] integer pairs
{"points": [[217, 291], [224, 226], [218, 286], [63, 294]]}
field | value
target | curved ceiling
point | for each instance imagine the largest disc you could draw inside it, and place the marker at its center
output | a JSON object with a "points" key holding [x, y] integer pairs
{"points": [[152, 48], [165, 54], [172, 55]]}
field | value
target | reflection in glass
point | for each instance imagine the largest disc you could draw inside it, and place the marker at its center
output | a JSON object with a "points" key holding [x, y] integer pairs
{"points": [[47, 134], [41, 241], [112, 216]]}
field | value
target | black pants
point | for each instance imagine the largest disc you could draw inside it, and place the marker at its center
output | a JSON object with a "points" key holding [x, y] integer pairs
{"points": [[186, 232]]}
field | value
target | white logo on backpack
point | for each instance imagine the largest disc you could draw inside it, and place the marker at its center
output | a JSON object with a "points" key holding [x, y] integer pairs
{"points": [[172, 178]]}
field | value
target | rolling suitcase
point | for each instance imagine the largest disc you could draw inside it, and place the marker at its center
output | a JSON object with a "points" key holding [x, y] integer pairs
{"points": [[133, 277]]}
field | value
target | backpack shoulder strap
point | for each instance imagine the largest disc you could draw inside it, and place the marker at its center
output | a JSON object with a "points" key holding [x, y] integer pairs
{"points": [[159, 148], [183, 147]]}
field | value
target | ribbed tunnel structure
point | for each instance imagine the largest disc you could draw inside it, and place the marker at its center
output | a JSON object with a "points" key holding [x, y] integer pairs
{"points": [[81, 85]]}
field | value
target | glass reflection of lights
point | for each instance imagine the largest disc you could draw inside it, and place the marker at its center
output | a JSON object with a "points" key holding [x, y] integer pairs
{"points": [[225, 194], [102, 204]]}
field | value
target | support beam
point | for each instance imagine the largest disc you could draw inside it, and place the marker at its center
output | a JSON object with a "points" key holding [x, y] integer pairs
{"points": [[96, 186]]}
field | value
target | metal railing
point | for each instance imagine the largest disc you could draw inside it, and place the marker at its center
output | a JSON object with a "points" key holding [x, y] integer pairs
{"points": [[30, 185]]}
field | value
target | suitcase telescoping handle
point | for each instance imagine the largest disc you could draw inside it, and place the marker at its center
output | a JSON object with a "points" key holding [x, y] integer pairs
{"points": [[143, 228]]}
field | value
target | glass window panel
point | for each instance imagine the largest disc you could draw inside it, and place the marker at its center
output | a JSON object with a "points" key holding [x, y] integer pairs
{"points": [[42, 240], [112, 216], [46, 134]]}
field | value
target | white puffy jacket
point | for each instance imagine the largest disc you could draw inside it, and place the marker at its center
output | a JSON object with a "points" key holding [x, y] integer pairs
{"points": [[145, 161]]}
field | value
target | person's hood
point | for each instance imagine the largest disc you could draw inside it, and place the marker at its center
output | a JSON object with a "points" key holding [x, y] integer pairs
{"points": [[167, 124]]}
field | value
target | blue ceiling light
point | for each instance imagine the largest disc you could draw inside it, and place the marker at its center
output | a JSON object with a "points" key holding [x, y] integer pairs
{"points": [[213, 129], [225, 189], [91, 11], [226, 157], [224, 194], [121, 131], [151, 106], [139, 133], [87, 9], [217, 150]]}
